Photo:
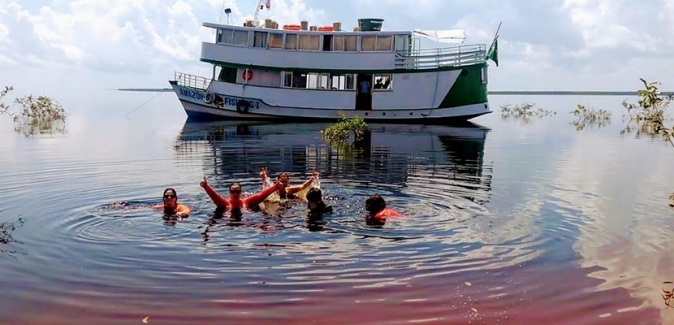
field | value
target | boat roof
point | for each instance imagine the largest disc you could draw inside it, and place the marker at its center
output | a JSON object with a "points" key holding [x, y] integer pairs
{"points": [[443, 36]]}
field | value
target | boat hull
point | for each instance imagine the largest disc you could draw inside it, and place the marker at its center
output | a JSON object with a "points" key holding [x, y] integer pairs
{"points": [[192, 100]]}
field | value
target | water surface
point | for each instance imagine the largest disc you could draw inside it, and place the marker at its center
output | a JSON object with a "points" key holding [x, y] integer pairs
{"points": [[505, 222]]}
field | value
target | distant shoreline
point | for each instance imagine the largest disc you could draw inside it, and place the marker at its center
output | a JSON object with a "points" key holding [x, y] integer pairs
{"points": [[493, 92]]}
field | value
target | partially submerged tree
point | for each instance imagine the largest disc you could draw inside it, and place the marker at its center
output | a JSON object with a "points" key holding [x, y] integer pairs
{"points": [[647, 116], [39, 114], [338, 135]]}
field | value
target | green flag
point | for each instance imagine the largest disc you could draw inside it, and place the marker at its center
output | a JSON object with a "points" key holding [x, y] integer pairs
{"points": [[493, 51]]}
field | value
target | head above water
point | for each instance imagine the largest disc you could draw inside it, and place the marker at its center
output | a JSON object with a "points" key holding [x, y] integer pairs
{"points": [[314, 198], [235, 190], [170, 197], [283, 181], [374, 204]]}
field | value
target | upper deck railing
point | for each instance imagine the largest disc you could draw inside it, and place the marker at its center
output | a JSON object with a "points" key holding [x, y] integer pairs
{"points": [[192, 81], [442, 57]]}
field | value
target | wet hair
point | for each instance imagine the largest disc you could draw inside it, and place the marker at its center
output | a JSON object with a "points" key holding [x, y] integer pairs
{"points": [[375, 203], [283, 174], [170, 189], [314, 195], [235, 185]]}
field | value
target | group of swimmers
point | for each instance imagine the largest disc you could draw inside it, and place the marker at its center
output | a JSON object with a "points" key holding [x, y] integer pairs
{"points": [[375, 205]]}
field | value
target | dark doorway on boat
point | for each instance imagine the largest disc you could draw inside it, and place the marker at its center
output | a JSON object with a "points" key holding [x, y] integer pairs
{"points": [[364, 92], [327, 42]]}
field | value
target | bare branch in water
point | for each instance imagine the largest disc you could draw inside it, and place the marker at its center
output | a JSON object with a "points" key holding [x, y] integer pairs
{"points": [[39, 114]]}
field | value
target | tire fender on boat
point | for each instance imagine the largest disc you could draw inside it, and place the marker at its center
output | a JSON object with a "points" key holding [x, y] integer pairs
{"points": [[209, 98], [242, 106]]}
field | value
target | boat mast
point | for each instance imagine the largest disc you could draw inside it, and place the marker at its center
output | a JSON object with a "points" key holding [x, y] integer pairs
{"points": [[260, 5]]}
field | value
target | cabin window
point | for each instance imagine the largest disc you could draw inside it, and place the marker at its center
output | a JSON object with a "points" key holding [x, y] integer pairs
{"points": [[299, 80], [338, 43], [382, 82], [309, 42], [287, 78], [384, 43], [225, 36], [227, 74], [401, 43], [291, 42], [484, 76], [318, 81], [341, 82], [260, 39], [275, 40], [351, 43], [368, 43], [240, 38], [323, 81]]}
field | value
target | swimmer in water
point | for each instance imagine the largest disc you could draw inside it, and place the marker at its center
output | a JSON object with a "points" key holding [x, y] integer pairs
{"points": [[378, 213], [315, 203], [284, 191], [171, 206], [235, 202]]}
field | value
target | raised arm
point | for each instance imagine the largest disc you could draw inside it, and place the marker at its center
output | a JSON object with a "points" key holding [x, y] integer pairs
{"points": [[217, 199], [297, 188], [256, 199], [266, 182]]}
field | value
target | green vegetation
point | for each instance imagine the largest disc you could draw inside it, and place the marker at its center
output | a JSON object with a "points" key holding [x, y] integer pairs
{"points": [[647, 116], [590, 117], [338, 135], [342, 130], [36, 114], [524, 111]]}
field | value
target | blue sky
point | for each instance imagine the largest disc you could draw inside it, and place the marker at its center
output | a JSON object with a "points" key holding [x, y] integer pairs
{"points": [[544, 44]]}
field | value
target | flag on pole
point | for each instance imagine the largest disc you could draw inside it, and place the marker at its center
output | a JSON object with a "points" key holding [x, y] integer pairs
{"points": [[268, 4], [493, 51]]}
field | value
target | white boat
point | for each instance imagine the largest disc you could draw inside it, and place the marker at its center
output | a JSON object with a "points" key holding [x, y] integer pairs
{"points": [[316, 73]]}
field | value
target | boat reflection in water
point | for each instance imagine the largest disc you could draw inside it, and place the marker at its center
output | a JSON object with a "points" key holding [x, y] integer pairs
{"points": [[387, 157]]}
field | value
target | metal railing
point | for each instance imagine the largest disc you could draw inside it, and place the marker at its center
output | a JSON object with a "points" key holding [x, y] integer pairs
{"points": [[192, 81], [441, 57]]}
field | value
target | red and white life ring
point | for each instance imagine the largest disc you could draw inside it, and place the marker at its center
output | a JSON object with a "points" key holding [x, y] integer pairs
{"points": [[247, 75]]}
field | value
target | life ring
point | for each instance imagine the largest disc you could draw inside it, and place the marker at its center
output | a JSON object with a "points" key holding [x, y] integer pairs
{"points": [[242, 106], [325, 29], [208, 98], [247, 74]]}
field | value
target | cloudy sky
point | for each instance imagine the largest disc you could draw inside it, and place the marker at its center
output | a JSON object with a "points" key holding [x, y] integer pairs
{"points": [[544, 44]]}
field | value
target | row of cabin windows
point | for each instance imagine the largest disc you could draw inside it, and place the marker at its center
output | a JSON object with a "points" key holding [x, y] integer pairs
{"points": [[308, 42], [331, 81]]}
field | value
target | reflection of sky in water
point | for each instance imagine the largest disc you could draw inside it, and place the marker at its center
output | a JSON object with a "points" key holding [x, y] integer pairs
{"points": [[539, 196]]}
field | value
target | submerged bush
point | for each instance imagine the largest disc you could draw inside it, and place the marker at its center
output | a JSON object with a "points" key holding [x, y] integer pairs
{"points": [[39, 114], [647, 116], [524, 111], [590, 117], [342, 130], [338, 135]]}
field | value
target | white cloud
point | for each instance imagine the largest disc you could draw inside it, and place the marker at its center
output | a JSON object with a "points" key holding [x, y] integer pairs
{"points": [[567, 44]]}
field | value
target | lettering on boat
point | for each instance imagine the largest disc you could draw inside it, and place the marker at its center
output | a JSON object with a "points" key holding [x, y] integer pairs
{"points": [[191, 93], [232, 102]]}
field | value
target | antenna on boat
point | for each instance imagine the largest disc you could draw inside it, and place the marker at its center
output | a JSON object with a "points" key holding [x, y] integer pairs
{"points": [[221, 11], [260, 5]]}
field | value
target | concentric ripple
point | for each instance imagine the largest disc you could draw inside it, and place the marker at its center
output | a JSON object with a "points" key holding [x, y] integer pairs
{"points": [[471, 245]]}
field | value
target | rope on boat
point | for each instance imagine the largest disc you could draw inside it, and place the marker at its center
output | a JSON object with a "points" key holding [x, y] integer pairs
{"points": [[141, 105]]}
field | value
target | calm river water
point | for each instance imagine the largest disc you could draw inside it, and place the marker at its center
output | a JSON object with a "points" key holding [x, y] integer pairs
{"points": [[506, 222]]}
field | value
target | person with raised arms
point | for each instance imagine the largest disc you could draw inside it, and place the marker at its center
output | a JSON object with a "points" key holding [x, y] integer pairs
{"points": [[235, 200], [286, 191]]}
